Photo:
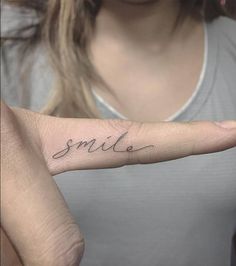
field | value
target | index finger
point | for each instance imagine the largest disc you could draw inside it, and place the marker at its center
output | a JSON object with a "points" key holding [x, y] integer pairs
{"points": [[75, 144]]}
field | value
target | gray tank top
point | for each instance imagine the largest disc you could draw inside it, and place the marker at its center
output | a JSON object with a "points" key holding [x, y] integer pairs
{"points": [[176, 213]]}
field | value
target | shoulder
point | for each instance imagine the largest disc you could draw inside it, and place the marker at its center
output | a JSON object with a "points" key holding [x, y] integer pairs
{"points": [[26, 74], [220, 75], [222, 38], [226, 24], [26, 81], [225, 30]]}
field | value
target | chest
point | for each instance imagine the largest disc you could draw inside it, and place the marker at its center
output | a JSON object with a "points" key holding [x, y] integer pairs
{"points": [[154, 90]]}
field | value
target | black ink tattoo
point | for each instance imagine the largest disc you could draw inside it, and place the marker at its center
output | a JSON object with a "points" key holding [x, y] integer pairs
{"points": [[103, 147]]}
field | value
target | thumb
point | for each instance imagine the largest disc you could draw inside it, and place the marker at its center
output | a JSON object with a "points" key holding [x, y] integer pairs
{"points": [[74, 144]]}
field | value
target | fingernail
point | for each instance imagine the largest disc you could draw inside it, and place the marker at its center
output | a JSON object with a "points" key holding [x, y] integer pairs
{"points": [[226, 124]]}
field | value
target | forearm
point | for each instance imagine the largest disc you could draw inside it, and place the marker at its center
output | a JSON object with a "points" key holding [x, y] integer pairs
{"points": [[9, 256], [33, 212]]}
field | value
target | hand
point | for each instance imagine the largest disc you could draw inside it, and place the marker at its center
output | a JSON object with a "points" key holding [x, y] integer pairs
{"points": [[35, 147]]}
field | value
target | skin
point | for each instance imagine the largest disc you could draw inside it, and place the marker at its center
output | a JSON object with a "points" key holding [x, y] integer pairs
{"points": [[38, 227], [136, 51], [35, 216]]}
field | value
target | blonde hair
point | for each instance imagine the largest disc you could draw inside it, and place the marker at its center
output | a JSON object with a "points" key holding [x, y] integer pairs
{"points": [[65, 27], [66, 32]]}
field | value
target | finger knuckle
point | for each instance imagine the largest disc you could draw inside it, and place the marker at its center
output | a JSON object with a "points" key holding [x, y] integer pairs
{"points": [[120, 126], [125, 128]]}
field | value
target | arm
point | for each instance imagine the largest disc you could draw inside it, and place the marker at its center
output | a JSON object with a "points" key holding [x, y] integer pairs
{"points": [[35, 147], [9, 257]]}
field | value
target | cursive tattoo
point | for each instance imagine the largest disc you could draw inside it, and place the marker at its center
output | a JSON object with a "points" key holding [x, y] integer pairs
{"points": [[91, 146]]}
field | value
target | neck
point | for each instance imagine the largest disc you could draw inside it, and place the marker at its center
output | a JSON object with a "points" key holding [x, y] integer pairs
{"points": [[137, 24]]}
